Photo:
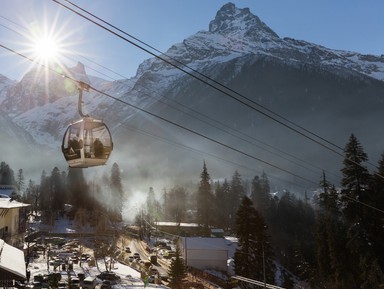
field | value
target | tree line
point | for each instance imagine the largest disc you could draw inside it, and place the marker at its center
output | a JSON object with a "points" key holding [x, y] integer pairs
{"points": [[334, 240], [55, 191]]}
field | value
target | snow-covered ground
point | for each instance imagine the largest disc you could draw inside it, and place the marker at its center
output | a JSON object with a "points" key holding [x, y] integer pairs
{"points": [[130, 278]]}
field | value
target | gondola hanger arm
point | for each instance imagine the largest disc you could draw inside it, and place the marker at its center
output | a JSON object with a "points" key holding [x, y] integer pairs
{"points": [[82, 86]]}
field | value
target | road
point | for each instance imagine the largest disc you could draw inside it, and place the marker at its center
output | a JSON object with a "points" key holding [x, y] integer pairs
{"points": [[138, 246]]}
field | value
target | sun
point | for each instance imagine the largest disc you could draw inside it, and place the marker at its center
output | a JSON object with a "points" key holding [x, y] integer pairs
{"points": [[46, 48]]}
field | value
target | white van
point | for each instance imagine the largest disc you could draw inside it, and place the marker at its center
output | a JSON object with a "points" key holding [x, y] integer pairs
{"points": [[89, 283]]}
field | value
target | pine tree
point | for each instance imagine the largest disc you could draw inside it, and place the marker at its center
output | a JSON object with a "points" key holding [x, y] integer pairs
{"points": [[177, 205], [357, 190], [117, 192], [6, 174], [151, 205], [20, 180], [33, 196], [237, 192], [375, 225], [177, 271], [254, 257], [57, 190], [355, 181], [78, 189], [223, 205], [205, 201], [330, 236], [260, 193]]}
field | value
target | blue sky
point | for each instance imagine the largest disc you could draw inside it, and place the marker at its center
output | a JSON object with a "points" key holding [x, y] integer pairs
{"points": [[347, 25]]}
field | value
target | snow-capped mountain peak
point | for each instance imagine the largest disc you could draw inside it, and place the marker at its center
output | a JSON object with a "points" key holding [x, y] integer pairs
{"points": [[230, 19]]}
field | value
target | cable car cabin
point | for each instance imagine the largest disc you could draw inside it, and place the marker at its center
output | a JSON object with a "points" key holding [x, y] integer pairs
{"points": [[87, 143]]}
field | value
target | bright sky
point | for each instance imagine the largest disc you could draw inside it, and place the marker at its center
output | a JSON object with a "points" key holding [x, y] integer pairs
{"points": [[352, 25]]}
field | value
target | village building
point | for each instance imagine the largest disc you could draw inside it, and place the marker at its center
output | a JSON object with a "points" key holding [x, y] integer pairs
{"points": [[204, 253], [13, 222], [13, 217]]}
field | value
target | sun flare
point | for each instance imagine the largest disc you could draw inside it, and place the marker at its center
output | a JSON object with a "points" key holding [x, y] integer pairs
{"points": [[46, 48]]}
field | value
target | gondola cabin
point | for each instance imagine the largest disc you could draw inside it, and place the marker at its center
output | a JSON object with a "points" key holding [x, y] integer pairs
{"points": [[87, 143]]}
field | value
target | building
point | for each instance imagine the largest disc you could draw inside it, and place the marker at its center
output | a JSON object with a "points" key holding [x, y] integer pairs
{"points": [[13, 222], [184, 229], [13, 217], [12, 265], [204, 253]]}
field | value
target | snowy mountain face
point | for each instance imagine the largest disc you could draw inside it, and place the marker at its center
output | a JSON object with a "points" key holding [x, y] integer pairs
{"points": [[317, 87]]}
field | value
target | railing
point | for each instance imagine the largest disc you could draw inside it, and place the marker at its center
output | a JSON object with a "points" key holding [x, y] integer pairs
{"points": [[255, 282]]}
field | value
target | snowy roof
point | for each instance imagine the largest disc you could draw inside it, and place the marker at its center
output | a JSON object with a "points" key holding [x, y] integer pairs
{"points": [[175, 224], [8, 203], [12, 261], [202, 243]]}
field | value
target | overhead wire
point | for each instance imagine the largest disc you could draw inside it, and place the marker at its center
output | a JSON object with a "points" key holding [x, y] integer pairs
{"points": [[222, 88], [205, 83], [194, 111], [214, 156], [161, 118], [200, 74], [175, 124], [154, 55]]}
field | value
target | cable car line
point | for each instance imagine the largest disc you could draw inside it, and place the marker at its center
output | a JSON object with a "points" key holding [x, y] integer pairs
{"points": [[243, 137], [174, 143], [177, 125], [203, 75], [196, 112], [203, 136], [202, 80], [164, 119], [217, 88], [164, 54], [230, 128]]}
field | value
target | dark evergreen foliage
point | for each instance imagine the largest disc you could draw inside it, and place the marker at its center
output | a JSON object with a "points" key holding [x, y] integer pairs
{"points": [[117, 193], [176, 206], [223, 205], [260, 193], [254, 257], [78, 189], [355, 181], [7, 176], [236, 194], [205, 201], [20, 181], [177, 271]]}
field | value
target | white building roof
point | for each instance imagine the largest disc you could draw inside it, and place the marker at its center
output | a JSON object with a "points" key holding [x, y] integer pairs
{"points": [[12, 260], [175, 224], [8, 203], [202, 243]]}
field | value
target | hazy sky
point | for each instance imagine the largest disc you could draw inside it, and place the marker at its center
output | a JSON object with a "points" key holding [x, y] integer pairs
{"points": [[352, 25]]}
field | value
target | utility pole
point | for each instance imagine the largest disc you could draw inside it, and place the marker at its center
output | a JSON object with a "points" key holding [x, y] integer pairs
{"points": [[265, 284]]}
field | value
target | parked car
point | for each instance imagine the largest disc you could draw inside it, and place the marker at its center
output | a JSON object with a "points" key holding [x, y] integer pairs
{"points": [[37, 285], [127, 250], [89, 283], [107, 284], [110, 276], [75, 282], [136, 256], [62, 285]]}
